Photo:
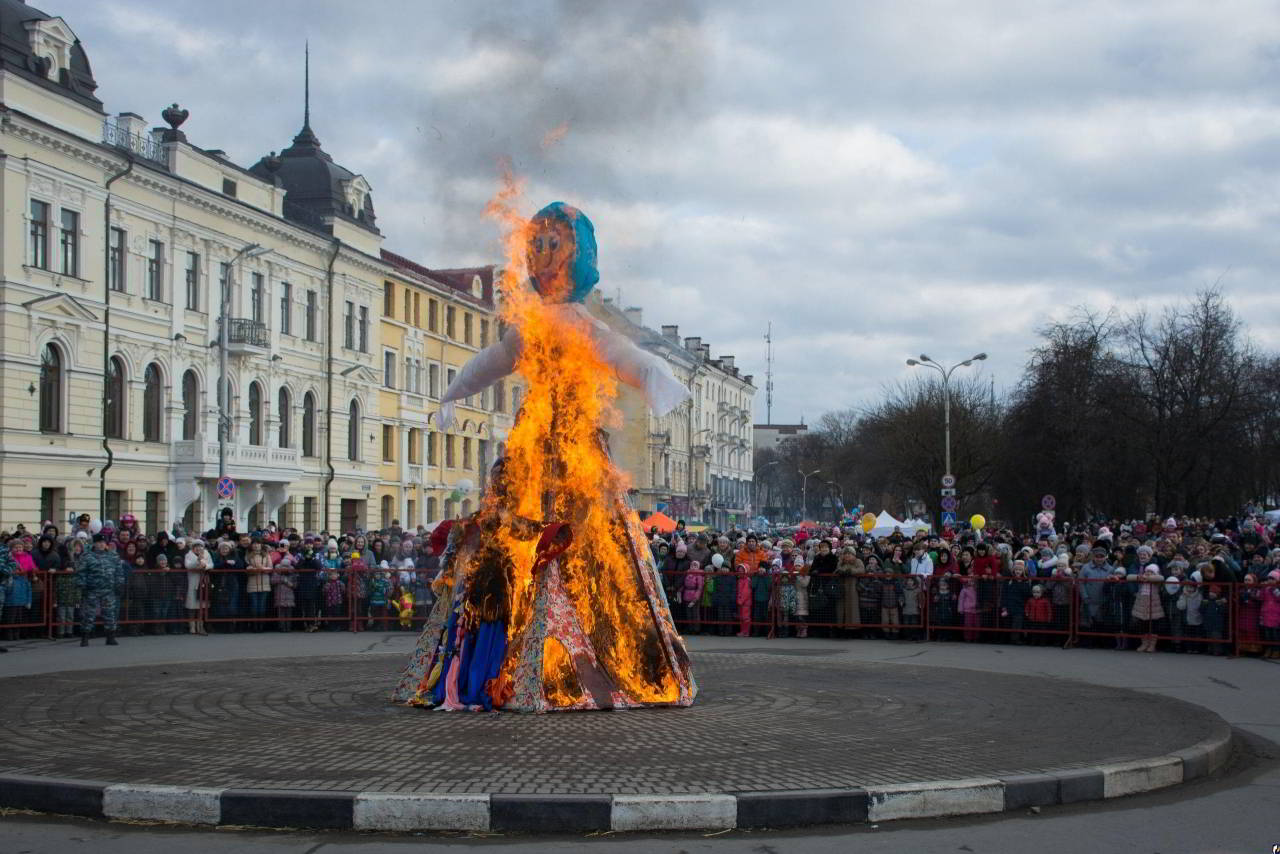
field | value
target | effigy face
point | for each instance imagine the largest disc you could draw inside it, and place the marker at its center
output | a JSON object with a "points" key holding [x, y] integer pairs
{"points": [[551, 251]]}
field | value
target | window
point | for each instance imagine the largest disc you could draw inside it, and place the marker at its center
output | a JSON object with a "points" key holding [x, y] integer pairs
{"points": [[154, 504], [256, 299], [466, 327], [388, 443], [388, 509], [466, 507], [349, 326], [152, 404], [389, 368], [431, 510], [116, 502], [113, 406], [224, 285], [309, 513], [312, 314], [308, 425], [448, 451], [69, 241], [411, 518], [229, 187], [500, 396], [408, 302], [40, 234], [388, 299], [190, 405], [193, 281], [51, 389], [433, 380], [285, 413], [411, 452], [449, 374], [466, 452], [286, 308], [450, 317], [431, 449], [115, 260], [52, 502], [255, 414], [155, 271], [353, 432], [417, 309], [515, 398], [364, 329], [433, 319], [484, 333]]}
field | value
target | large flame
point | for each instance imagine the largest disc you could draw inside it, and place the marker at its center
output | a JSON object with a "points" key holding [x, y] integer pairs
{"points": [[558, 469]]}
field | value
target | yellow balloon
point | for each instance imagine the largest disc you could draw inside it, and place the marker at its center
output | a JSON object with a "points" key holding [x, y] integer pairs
{"points": [[978, 521], [868, 522]]}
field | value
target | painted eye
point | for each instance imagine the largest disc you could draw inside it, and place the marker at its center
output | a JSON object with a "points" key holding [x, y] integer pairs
{"points": [[555, 243]]}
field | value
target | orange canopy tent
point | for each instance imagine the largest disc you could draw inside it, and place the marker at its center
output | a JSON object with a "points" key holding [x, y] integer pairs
{"points": [[808, 524], [664, 523]]}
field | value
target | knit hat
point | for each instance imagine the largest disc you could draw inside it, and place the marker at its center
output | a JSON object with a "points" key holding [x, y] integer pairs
{"points": [[681, 549], [717, 560], [332, 544], [99, 537]]}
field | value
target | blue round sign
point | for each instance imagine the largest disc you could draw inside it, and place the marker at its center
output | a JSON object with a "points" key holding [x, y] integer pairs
{"points": [[226, 487]]}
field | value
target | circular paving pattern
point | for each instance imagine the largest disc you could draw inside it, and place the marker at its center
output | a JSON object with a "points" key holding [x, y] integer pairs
{"points": [[763, 721]]}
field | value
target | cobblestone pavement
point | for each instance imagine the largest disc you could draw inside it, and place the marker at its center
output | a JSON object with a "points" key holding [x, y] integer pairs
{"points": [[804, 720]]}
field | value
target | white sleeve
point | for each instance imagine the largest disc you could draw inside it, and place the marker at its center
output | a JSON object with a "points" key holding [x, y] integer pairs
{"points": [[637, 367], [491, 364]]}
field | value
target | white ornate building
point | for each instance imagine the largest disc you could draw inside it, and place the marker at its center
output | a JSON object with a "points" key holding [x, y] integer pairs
{"points": [[116, 248]]}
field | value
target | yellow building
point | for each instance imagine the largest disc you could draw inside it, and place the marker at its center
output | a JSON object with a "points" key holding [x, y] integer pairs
{"points": [[433, 322]]}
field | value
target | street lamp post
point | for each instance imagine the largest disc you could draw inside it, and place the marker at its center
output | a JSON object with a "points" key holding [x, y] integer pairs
{"points": [[946, 393], [804, 490], [755, 491], [253, 250]]}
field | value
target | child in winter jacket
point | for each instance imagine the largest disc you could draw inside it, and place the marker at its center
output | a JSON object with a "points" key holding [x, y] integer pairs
{"points": [[911, 595], [944, 608], [1270, 615], [744, 601], [1213, 613], [1189, 602], [691, 596], [968, 608], [1039, 615]]}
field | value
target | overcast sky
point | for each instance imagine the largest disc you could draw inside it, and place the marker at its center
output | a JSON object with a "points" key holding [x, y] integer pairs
{"points": [[878, 179]]}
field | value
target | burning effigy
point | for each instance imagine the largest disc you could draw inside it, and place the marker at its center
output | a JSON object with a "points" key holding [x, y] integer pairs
{"points": [[548, 597]]}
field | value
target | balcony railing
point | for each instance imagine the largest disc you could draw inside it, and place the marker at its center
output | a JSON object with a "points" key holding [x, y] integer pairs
{"points": [[264, 457], [247, 333], [144, 146]]}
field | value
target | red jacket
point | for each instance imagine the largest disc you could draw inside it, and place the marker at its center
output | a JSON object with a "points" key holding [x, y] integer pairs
{"points": [[987, 566], [1039, 610]]}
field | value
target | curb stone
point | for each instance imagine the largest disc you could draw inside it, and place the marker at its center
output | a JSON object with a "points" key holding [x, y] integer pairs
{"points": [[389, 811]]}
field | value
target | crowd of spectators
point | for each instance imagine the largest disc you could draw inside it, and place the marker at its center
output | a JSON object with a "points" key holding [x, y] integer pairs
{"points": [[1187, 585]]}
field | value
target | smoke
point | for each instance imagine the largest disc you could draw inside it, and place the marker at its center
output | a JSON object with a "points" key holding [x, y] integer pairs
{"points": [[556, 89]]}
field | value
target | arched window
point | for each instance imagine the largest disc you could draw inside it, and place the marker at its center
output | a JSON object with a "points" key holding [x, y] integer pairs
{"points": [[152, 404], [255, 414], [113, 406], [190, 405], [51, 389], [284, 414], [308, 425], [353, 432]]}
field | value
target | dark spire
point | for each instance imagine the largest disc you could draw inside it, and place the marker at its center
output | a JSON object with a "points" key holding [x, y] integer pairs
{"points": [[306, 137]]}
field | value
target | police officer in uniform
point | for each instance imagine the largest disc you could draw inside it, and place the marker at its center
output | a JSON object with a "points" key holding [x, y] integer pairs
{"points": [[98, 574]]}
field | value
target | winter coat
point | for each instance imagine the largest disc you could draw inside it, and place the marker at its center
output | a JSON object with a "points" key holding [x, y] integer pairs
{"points": [[944, 606], [1147, 604], [802, 595], [691, 591], [968, 601], [1038, 610], [1271, 607], [100, 572], [1189, 603], [725, 594], [1015, 595]]}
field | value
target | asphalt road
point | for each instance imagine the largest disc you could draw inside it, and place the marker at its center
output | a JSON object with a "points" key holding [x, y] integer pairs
{"points": [[1236, 811]]}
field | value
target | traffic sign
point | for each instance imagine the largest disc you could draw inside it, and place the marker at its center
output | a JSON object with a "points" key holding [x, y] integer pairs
{"points": [[1048, 502], [226, 487], [948, 518], [949, 503], [948, 492], [948, 481]]}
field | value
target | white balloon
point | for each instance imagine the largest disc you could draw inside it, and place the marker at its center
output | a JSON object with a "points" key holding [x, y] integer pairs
{"points": [[95, 526], [466, 484]]}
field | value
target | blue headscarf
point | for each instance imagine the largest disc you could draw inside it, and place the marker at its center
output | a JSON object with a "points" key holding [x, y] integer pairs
{"points": [[582, 272]]}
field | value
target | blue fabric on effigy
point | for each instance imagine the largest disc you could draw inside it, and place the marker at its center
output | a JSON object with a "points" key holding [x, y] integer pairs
{"points": [[450, 629], [486, 654], [583, 272]]}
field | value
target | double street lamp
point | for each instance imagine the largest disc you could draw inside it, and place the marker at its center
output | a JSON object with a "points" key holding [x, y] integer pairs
{"points": [[804, 490], [946, 392]]}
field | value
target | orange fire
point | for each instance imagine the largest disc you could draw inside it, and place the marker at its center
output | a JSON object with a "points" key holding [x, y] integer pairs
{"points": [[558, 469]]}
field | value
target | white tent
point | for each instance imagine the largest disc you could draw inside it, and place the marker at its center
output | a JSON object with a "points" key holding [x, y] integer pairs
{"points": [[885, 525]]}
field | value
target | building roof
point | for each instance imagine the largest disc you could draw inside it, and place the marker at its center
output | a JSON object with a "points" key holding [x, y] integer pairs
{"points": [[461, 280], [315, 186], [17, 21]]}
